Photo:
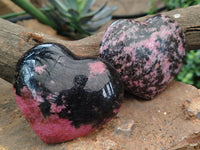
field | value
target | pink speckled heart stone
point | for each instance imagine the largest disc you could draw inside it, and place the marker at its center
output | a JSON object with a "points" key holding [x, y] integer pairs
{"points": [[147, 54]]}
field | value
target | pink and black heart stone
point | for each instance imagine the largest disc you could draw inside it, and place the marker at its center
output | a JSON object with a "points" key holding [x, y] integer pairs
{"points": [[148, 55], [62, 97]]}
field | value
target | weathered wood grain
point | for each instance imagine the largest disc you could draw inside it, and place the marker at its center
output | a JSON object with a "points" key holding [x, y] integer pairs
{"points": [[15, 40]]}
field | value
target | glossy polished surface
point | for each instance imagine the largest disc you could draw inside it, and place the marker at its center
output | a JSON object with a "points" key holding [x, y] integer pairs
{"points": [[63, 97]]}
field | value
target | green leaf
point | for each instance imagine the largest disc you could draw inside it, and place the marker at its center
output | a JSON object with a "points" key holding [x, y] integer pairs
{"points": [[60, 8], [70, 4], [94, 25], [73, 13], [31, 9], [59, 5], [80, 29], [92, 13], [85, 19], [87, 7], [104, 13], [81, 5], [62, 14]]}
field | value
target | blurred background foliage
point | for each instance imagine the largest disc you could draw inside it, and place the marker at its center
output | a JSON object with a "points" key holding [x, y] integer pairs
{"points": [[173, 4], [190, 71]]}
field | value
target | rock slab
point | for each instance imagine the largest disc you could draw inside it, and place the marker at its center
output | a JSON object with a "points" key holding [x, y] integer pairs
{"points": [[169, 121]]}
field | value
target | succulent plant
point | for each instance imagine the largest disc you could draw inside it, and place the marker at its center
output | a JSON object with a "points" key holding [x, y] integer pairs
{"points": [[75, 17]]}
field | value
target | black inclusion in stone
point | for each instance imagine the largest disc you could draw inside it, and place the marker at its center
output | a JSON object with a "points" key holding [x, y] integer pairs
{"points": [[45, 108], [86, 106]]}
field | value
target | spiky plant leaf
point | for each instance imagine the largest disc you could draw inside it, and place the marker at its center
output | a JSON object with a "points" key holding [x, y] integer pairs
{"points": [[84, 20], [92, 26], [92, 13], [74, 14], [81, 4], [89, 16], [59, 8], [104, 13], [87, 6], [59, 5], [70, 4]]}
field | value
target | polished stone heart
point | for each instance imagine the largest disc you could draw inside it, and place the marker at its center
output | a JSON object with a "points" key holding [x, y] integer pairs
{"points": [[148, 55], [63, 97]]}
